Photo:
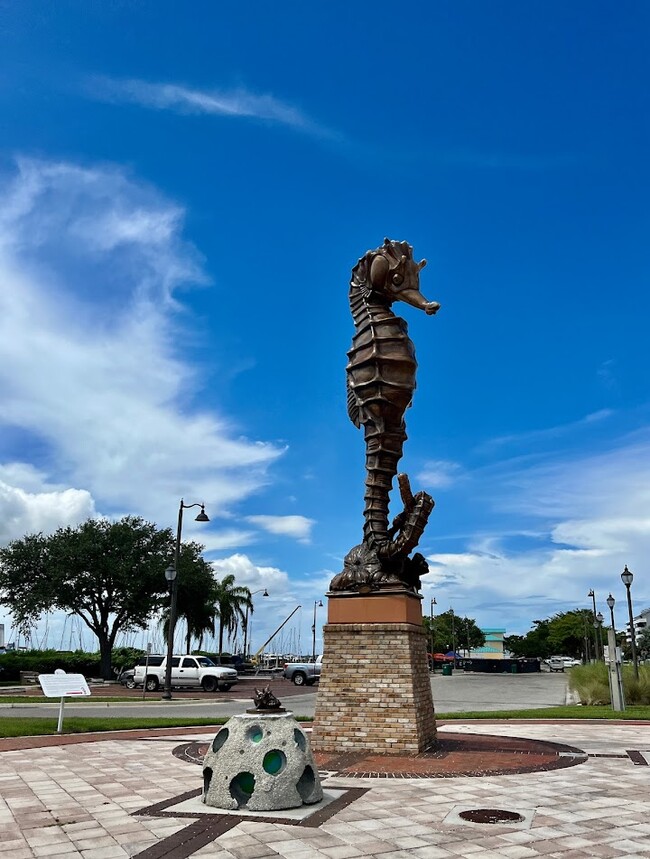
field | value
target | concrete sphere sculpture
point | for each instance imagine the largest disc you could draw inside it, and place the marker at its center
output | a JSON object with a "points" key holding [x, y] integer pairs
{"points": [[260, 763]]}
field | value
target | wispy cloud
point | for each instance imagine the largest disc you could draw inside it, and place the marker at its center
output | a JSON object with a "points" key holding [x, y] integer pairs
{"points": [[90, 262], [590, 517], [553, 432], [607, 374], [298, 527], [237, 103], [440, 473]]}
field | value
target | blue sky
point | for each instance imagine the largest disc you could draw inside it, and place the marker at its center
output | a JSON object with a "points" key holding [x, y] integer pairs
{"points": [[184, 192]]}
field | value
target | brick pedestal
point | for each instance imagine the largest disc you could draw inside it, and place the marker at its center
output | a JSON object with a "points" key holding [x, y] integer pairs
{"points": [[374, 691]]}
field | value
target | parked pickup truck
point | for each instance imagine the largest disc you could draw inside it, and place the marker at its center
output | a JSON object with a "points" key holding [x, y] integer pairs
{"points": [[303, 673], [192, 671]]}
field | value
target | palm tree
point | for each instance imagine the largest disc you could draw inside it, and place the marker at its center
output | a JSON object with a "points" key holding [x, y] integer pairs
{"points": [[196, 595], [231, 604]]}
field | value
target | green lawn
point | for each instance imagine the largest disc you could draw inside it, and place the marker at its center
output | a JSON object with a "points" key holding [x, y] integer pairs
{"points": [[152, 698], [33, 727], [567, 712], [21, 727]]}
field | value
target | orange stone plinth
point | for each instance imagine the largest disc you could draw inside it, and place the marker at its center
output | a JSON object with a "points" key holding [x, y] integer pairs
{"points": [[388, 607]]}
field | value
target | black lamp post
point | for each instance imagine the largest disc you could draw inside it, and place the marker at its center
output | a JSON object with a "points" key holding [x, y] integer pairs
{"points": [[453, 632], [598, 623], [171, 574], [597, 641], [317, 604], [627, 578], [265, 594], [431, 619]]}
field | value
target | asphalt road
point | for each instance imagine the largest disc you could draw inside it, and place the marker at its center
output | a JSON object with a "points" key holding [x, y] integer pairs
{"points": [[461, 692]]}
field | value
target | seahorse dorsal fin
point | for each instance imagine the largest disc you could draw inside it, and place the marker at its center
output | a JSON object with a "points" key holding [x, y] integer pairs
{"points": [[354, 412]]}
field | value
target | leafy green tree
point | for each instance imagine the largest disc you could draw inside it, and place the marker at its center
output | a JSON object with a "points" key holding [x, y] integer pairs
{"points": [[449, 630], [231, 603], [564, 633], [568, 631], [110, 574], [196, 594], [532, 645]]}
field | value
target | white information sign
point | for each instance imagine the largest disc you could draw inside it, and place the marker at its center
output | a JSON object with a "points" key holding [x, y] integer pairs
{"points": [[63, 685]]}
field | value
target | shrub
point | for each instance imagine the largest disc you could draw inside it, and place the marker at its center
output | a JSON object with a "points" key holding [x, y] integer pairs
{"points": [[73, 662], [636, 691], [591, 682]]}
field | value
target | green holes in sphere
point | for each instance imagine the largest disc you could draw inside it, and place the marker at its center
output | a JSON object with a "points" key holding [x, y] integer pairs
{"points": [[242, 787], [274, 761], [220, 739], [306, 784], [255, 734], [299, 737]]}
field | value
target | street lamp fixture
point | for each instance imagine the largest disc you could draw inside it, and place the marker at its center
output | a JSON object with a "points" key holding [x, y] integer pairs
{"points": [[265, 594], [317, 604], [431, 619], [611, 602], [171, 574], [627, 577], [597, 640]]}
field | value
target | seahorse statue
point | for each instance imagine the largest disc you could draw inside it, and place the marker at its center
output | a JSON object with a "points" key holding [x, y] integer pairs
{"points": [[380, 385]]}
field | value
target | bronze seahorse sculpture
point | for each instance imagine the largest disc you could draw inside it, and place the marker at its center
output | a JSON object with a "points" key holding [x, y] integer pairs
{"points": [[380, 383]]}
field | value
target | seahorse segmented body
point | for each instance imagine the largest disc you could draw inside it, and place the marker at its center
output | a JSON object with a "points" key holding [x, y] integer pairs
{"points": [[381, 378]]}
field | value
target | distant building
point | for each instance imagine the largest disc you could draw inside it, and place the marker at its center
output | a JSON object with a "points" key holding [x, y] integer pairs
{"points": [[493, 647], [640, 622]]}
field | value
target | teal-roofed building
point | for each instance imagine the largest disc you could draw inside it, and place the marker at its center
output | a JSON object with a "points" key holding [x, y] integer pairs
{"points": [[493, 647]]}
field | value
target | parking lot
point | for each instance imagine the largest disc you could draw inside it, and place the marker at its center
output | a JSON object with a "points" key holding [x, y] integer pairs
{"points": [[461, 692]]}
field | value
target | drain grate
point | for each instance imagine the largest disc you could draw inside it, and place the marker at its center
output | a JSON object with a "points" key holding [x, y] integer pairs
{"points": [[491, 815]]}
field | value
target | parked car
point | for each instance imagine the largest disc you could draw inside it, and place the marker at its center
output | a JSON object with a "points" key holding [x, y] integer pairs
{"points": [[187, 670], [127, 678], [303, 673], [559, 663]]}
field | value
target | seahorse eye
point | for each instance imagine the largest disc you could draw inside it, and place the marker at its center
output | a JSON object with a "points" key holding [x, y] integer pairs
{"points": [[398, 279]]}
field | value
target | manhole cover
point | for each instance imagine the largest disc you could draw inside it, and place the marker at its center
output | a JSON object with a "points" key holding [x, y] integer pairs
{"points": [[491, 815]]}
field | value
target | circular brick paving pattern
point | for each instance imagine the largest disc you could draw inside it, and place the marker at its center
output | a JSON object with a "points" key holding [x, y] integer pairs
{"points": [[455, 755]]}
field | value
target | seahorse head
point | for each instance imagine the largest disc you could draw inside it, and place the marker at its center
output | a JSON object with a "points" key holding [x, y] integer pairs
{"points": [[391, 272]]}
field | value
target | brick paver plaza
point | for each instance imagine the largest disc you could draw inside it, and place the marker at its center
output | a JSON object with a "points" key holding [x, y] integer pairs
{"points": [[87, 800]]}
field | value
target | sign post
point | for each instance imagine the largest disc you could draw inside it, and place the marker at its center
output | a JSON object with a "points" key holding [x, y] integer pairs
{"points": [[62, 685], [146, 670], [613, 657]]}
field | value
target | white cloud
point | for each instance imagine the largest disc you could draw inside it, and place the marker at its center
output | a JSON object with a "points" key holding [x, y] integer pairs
{"points": [[252, 576], [440, 473], [181, 99], [591, 519], [285, 526], [552, 433], [30, 511], [286, 597], [89, 263], [228, 538]]}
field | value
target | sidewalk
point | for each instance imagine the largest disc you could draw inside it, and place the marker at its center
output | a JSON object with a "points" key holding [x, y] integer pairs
{"points": [[118, 798]]}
